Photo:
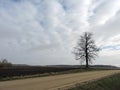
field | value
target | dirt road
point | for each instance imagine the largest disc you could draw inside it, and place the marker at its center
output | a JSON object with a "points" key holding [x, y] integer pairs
{"points": [[54, 82]]}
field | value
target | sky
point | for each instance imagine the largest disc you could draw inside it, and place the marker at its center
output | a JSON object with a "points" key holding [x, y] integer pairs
{"points": [[44, 32]]}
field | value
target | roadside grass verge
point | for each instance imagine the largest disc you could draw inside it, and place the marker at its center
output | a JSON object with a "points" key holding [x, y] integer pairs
{"points": [[47, 74], [107, 83]]}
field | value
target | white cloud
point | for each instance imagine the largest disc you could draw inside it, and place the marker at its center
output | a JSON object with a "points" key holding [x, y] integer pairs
{"points": [[44, 32], [104, 11]]}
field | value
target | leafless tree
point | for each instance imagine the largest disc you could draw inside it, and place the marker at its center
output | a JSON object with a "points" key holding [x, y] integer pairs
{"points": [[86, 49], [5, 63]]}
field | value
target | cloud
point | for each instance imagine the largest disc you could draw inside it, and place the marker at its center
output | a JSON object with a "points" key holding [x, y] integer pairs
{"points": [[102, 12], [41, 29]]}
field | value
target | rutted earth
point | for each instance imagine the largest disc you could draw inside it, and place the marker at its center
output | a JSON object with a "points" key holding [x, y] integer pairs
{"points": [[55, 82]]}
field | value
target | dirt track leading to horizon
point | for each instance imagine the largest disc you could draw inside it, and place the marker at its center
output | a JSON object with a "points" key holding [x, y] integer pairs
{"points": [[54, 82]]}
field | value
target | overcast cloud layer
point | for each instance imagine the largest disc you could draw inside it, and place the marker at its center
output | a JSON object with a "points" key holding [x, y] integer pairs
{"points": [[42, 32]]}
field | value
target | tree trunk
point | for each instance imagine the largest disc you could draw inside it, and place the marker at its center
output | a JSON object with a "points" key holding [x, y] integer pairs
{"points": [[86, 52], [87, 63]]}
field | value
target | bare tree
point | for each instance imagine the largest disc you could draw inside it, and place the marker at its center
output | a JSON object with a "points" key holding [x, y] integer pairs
{"points": [[5, 63], [86, 50]]}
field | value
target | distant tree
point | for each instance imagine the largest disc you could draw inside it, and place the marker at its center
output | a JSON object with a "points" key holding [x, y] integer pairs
{"points": [[5, 63], [86, 50]]}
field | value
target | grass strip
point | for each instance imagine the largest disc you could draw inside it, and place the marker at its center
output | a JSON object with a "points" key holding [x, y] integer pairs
{"points": [[108, 83]]}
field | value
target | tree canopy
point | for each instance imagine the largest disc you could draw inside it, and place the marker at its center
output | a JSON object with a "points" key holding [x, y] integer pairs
{"points": [[86, 49]]}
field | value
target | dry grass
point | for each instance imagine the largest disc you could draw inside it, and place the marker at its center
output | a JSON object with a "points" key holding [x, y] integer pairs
{"points": [[109, 83]]}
